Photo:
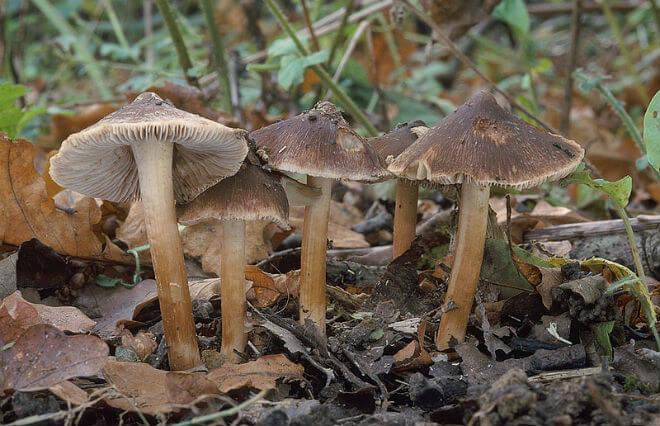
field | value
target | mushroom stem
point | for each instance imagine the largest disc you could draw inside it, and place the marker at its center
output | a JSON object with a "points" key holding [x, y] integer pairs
{"points": [[468, 256], [154, 160], [312, 259], [405, 216], [232, 289]]}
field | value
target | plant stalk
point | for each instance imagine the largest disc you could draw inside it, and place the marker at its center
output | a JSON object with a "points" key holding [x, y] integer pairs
{"points": [[177, 39], [220, 61], [405, 216], [232, 289], [468, 256]]}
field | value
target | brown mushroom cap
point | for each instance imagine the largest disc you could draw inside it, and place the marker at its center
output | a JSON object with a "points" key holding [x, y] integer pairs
{"points": [[251, 194], [319, 143], [483, 143], [98, 161], [394, 142]]}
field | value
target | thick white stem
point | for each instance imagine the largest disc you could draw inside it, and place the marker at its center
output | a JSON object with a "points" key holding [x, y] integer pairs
{"points": [[468, 256], [312, 259], [154, 160], [232, 289], [405, 216]]}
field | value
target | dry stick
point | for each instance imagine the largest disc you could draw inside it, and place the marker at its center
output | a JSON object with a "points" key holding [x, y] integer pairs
{"points": [[572, 61], [218, 56], [623, 50], [349, 51], [339, 93], [157, 191], [214, 417], [310, 28], [405, 216], [468, 62], [312, 259], [468, 256], [177, 39], [232, 289]]}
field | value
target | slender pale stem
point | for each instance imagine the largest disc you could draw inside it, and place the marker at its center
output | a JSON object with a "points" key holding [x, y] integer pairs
{"points": [[312, 259], [232, 289], [468, 256], [405, 216], [154, 161]]}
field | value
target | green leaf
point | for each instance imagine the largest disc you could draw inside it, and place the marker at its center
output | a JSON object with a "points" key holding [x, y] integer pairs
{"points": [[514, 14], [652, 132], [281, 47], [292, 71], [602, 332], [618, 191], [12, 118], [316, 58], [9, 93]]}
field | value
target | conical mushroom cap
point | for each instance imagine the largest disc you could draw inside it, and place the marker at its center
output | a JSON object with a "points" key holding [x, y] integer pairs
{"points": [[319, 143], [483, 143], [397, 140], [98, 161], [251, 194]]}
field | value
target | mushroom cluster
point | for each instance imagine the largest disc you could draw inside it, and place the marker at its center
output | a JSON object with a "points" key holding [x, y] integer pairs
{"points": [[187, 167]]}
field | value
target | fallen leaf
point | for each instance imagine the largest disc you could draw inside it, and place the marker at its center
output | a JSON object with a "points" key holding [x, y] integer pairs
{"points": [[63, 125], [550, 278], [261, 374], [140, 387], [27, 212], [413, 356], [17, 315], [44, 356], [267, 288], [143, 343], [341, 218]]}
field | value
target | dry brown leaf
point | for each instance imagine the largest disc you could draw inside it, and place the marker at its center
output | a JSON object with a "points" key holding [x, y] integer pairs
{"points": [[70, 393], [143, 343], [27, 212], [550, 278], [342, 217], [268, 288], [17, 315], [260, 374], [44, 356], [413, 355], [63, 125], [143, 388]]}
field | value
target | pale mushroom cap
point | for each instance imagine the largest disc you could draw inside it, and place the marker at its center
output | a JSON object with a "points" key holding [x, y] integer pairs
{"points": [[319, 143], [98, 161], [394, 142], [251, 194], [483, 143]]}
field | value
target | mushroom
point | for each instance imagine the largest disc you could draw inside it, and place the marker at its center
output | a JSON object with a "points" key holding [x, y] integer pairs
{"points": [[388, 147], [481, 145], [251, 194], [151, 150], [320, 144]]}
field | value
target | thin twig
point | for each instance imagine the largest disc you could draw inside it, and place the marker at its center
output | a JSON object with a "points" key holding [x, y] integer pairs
{"points": [[310, 28], [225, 413], [339, 93], [572, 61], [177, 39], [470, 64], [339, 37], [349, 51], [219, 59]]}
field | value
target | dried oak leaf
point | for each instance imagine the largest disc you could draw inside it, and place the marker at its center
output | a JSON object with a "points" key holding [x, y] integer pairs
{"points": [[17, 315], [27, 212], [268, 288], [261, 374], [44, 356], [70, 393]]}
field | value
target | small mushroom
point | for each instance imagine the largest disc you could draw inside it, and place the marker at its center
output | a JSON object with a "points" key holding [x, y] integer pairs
{"points": [[251, 194], [320, 144], [478, 146], [151, 150], [388, 147]]}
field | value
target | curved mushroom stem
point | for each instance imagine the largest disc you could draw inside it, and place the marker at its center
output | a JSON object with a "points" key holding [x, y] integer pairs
{"points": [[405, 216], [154, 160], [312, 259], [468, 256], [232, 289]]}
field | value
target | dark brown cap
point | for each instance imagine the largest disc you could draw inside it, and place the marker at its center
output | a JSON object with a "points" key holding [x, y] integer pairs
{"points": [[394, 142], [251, 194], [319, 143], [98, 161], [481, 142]]}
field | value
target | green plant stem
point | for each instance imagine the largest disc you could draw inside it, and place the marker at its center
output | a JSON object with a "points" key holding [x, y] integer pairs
{"points": [[220, 61], [225, 413], [177, 39], [641, 276], [58, 21], [623, 49], [116, 26], [656, 15], [340, 33], [326, 79]]}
